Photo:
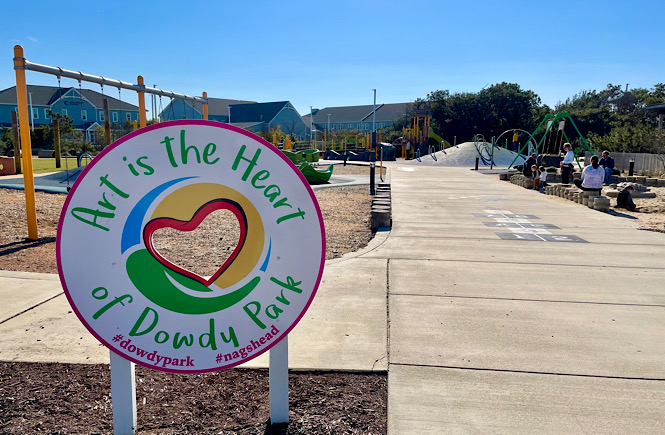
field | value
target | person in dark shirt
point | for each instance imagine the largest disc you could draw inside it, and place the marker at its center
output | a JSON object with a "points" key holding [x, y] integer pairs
{"points": [[607, 163], [625, 200], [527, 171]]}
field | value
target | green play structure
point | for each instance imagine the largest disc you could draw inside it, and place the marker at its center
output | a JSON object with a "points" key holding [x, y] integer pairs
{"points": [[303, 159], [559, 117]]}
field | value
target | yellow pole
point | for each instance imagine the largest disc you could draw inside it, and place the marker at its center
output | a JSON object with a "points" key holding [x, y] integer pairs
{"points": [[205, 107], [142, 120], [274, 140], [136, 125], [26, 149]]}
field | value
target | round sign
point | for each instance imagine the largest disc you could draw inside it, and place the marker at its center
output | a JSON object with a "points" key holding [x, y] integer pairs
{"points": [[171, 176]]}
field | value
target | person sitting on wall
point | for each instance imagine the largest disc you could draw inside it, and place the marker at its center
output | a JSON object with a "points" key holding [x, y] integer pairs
{"points": [[607, 163], [625, 200], [592, 176], [526, 170], [567, 163]]}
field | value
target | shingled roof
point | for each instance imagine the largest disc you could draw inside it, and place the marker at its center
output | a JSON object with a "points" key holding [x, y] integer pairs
{"points": [[257, 112], [47, 95], [391, 112], [218, 106]]}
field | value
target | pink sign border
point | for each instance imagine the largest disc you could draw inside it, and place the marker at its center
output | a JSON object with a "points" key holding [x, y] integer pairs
{"points": [[216, 124]]}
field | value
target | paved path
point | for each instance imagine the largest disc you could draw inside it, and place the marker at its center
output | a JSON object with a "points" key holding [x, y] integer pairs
{"points": [[519, 336]]}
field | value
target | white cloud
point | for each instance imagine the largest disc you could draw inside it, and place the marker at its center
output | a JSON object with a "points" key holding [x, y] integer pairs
{"points": [[33, 39]]}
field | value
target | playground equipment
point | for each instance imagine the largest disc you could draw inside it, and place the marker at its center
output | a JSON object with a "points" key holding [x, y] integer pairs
{"points": [[551, 148], [315, 176], [530, 142], [303, 160], [20, 67], [465, 154], [420, 137]]}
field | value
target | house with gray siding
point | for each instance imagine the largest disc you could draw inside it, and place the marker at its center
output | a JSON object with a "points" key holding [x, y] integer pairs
{"points": [[356, 117]]}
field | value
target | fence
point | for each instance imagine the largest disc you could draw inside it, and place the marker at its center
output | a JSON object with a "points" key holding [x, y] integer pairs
{"points": [[643, 161]]}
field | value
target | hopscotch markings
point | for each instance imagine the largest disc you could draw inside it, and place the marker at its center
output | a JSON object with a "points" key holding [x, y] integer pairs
{"points": [[515, 236], [521, 228], [513, 220], [522, 225], [492, 211], [529, 230], [505, 216]]}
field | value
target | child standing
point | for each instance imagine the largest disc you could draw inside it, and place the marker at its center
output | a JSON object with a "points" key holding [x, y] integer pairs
{"points": [[542, 179]]}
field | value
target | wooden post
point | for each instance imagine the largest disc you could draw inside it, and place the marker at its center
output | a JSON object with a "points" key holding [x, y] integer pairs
{"points": [[107, 122], [205, 107], [56, 142], [142, 120], [17, 144], [381, 167], [24, 127]]}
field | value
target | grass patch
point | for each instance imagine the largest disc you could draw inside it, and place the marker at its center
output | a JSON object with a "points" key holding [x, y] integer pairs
{"points": [[48, 164]]}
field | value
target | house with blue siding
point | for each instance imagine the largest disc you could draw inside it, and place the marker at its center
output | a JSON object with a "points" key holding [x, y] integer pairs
{"points": [[356, 117], [249, 115], [84, 107]]}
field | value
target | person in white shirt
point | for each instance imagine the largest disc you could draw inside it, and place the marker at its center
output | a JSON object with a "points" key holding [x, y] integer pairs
{"points": [[542, 179], [567, 163]]}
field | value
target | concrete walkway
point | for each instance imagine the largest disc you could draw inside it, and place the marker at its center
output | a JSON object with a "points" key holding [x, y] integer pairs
{"points": [[508, 312], [493, 335]]}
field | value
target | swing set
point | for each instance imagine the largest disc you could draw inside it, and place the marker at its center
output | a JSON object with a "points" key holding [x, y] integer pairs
{"points": [[552, 147], [21, 65]]}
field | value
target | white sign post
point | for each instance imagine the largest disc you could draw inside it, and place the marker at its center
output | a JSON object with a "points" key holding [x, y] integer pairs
{"points": [[149, 310], [279, 382], [123, 395]]}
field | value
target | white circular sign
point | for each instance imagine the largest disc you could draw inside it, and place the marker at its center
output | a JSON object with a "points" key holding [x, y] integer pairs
{"points": [[172, 175]]}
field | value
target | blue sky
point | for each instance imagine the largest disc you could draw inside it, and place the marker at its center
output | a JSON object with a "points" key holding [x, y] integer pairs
{"points": [[334, 53]]}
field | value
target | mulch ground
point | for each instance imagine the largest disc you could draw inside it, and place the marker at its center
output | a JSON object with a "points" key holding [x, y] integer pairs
{"points": [[72, 398], [76, 399]]}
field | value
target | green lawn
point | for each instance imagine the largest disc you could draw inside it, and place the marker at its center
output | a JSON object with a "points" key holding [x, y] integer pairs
{"points": [[48, 165]]}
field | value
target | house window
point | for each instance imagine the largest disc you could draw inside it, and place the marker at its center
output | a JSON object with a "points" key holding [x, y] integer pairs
{"points": [[46, 114], [64, 112], [115, 117], [101, 115], [129, 117], [84, 115], [35, 113]]}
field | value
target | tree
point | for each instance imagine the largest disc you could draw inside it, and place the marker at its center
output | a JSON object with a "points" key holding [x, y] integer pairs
{"points": [[6, 140]]}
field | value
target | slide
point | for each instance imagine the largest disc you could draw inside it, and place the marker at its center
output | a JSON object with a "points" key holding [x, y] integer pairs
{"points": [[438, 138], [314, 176]]}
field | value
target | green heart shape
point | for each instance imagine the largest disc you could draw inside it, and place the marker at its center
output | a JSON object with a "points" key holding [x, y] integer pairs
{"points": [[151, 278]]}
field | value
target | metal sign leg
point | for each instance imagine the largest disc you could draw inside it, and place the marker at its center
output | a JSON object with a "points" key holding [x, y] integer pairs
{"points": [[123, 395], [279, 382]]}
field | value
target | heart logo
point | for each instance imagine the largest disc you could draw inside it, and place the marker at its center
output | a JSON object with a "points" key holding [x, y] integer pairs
{"points": [[190, 225]]}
